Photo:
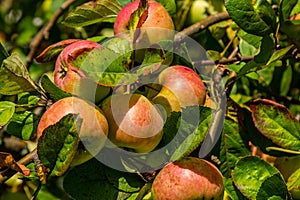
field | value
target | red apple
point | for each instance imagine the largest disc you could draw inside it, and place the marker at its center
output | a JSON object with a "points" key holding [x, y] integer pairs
{"points": [[94, 128], [69, 77], [188, 178], [181, 87], [134, 122], [156, 24]]}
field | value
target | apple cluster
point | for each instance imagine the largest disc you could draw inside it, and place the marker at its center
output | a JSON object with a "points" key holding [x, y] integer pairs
{"points": [[133, 120]]}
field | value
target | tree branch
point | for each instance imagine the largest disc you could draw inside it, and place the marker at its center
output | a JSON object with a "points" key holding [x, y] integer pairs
{"points": [[44, 32], [203, 24]]}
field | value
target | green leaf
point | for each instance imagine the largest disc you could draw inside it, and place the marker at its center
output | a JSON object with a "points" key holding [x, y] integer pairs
{"points": [[277, 123], [249, 43], [23, 125], [256, 179], [58, 144], [15, 77], [232, 147], [249, 17], [185, 131], [52, 51], [293, 183], [94, 180], [93, 12], [7, 109], [261, 58], [3, 53], [279, 54], [52, 90], [286, 8]]}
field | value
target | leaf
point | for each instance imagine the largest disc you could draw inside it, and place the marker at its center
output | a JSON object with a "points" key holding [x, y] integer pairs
{"points": [[7, 160], [93, 12], [23, 125], [52, 51], [15, 77], [279, 54], [58, 144], [7, 110], [293, 183], [256, 179], [183, 132], [249, 44], [232, 147], [87, 180], [250, 18], [52, 90], [3, 53], [261, 58], [277, 123]]}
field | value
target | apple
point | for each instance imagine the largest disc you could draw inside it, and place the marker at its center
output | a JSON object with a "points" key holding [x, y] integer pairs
{"points": [[197, 11], [94, 127], [181, 87], [188, 178], [134, 122], [69, 77], [156, 23]]}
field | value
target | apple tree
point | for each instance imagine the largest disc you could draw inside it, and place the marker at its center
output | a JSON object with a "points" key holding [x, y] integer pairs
{"points": [[150, 99]]}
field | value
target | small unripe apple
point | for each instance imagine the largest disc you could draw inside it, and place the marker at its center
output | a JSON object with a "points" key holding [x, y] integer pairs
{"points": [[156, 24], [181, 87], [94, 127], [134, 122], [69, 77], [197, 12], [188, 178]]}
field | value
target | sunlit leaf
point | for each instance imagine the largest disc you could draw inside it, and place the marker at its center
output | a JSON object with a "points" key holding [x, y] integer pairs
{"points": [[93, 12], [250, 17], [256, 179], [15, 77], [7, 110], [277, 123]]}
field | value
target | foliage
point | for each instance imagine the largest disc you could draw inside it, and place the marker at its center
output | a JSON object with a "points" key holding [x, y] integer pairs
{"points": [[255, 49]]}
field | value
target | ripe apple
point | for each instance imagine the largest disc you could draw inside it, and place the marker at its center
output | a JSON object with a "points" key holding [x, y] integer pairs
{"points": [[181, 87], [134, 122], [156, 22], [69, 77], [188, 178], [94, 127]]}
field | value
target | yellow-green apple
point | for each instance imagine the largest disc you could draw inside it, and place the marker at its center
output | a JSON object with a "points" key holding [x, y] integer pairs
{"points": [[134, 122], [154, 24], [94, 128], [188, 178], [181, 87], [69, 77]]}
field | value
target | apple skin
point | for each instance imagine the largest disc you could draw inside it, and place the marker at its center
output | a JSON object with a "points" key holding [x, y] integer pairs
{"points": [[188, 178], [134, 122], [71, 78], [181, 87], [94, 127], [158, 25]]}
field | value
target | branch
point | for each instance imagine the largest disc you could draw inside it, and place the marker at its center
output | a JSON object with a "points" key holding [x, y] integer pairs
{"points": [[44, 32], [203, 24], [224, 61]]}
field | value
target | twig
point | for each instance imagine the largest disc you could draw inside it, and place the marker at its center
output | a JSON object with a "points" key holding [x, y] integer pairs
{"points": [[5, 175], [224, 61], [203, 24], [44, 32]]}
